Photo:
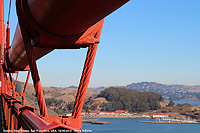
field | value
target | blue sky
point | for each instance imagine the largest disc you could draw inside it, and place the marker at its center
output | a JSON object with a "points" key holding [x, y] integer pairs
{"points": [[145, 40]]}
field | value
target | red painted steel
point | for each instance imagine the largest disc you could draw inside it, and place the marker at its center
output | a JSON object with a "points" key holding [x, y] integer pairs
{"points": [[12, 86], [17, 56], [7, 37], [34, 72], [44, 26], [87, 70], [70, 18], [2, 45], [20, 117], [68, 26], [25, 87]]}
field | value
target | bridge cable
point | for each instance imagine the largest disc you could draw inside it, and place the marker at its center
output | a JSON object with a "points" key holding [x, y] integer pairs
{"points": [[8, 29], [9, 13]]}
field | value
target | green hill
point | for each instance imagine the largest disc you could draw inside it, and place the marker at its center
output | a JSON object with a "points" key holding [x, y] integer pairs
{"points": [[131, 100]]}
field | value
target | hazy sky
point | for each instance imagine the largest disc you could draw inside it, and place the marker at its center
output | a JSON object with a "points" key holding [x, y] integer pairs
{"points": [[145, 40]]}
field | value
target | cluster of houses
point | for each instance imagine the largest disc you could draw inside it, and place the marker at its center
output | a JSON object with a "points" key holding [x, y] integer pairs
{"points": [[155, 116], [97, 112], [54, 107], [115, 113], [119, 113]]}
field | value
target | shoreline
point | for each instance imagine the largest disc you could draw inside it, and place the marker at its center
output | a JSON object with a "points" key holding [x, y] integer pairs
{"points": [[142, 121], [108, 116], [168, 122], [126, 117]]}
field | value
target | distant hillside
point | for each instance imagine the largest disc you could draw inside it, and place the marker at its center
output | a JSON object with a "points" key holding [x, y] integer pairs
{"points": [[94, 89], [97, 90], [68, 94], [58, 96], [175, 92], [62, 96], [61, 88]]}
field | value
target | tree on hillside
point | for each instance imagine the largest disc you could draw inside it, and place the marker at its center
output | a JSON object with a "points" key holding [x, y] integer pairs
{"points": [[171, 103], [19, 87], [70, 106], [94, 107], [131, 100], [85, 107]]}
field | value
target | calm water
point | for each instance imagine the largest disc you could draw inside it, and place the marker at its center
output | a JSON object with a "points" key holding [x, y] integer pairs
{"points": [[132, 126], [126, 125], [182, 102]]}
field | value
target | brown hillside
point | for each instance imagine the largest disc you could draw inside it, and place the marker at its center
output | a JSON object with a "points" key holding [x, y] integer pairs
{"points": [[68, 95]]}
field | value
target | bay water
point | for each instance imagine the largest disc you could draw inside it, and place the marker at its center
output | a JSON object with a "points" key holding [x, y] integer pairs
{"points": [[131, 125], [182, 102]]}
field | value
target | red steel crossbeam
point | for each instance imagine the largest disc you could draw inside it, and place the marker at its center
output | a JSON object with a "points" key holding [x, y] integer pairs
{"points": [[13, 86], [34, 72], [25, 87], [33, 66], [17, 94], [8, 83]]}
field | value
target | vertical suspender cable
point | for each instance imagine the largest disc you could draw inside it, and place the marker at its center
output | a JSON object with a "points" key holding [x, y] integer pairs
{"points": [[9, 14], [8, 29]]}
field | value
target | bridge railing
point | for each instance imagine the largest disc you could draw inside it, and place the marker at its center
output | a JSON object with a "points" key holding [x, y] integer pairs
{"points": [[19, 117]]}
